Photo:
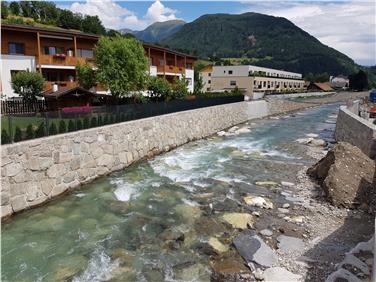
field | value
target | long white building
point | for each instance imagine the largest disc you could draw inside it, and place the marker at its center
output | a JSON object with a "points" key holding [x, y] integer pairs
{"points": [[250, 79]]}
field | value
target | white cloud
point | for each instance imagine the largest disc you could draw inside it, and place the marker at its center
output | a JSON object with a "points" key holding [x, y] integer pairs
{"points": [[115, 16], [346, 26]]}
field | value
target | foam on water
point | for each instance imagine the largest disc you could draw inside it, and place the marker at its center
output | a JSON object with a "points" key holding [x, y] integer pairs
{"points": [[100, 268]]}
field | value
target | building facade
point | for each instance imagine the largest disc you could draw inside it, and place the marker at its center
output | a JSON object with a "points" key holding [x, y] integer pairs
{"points": [[250, 79], [55, 53]]}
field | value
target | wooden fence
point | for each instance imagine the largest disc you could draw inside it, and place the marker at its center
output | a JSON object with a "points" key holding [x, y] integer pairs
{"points": [[22, 107]]}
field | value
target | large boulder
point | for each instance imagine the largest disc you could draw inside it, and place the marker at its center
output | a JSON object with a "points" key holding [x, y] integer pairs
{"points": [[347, 176]]}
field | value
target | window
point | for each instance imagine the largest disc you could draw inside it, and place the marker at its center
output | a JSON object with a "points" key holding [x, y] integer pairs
{"points": [[233, 83], [209, 74], [85, 53], [188, 66], [209, 81], [264, 84], [230, 72], [208, 89], [16, 49], [51, 50]]}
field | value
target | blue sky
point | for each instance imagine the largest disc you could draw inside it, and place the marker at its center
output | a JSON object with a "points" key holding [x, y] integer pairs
{"points": [[348, 26]]}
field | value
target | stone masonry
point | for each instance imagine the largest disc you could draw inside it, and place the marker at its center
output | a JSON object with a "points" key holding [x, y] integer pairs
{"points": [[38, 170]]}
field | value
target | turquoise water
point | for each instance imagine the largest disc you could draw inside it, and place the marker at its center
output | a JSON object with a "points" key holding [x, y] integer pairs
{"points": [[114, 229]]}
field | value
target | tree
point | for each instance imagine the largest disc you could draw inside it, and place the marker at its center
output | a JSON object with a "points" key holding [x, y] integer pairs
{"points": [[179, 88], [122, 64], [62, 126], [199, 85], [86, 76], [52, 130], [159, 88], [4, 10], [26, 8], [358, 81], [28, 84], [92, 24], [68, 20], [71, 126], [14, 8]]}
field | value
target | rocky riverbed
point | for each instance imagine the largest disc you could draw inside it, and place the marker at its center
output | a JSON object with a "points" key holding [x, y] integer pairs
{"points": [[237, 206]]}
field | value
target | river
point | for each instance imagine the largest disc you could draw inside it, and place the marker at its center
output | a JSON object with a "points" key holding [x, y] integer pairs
{"points": [[149, 221]]}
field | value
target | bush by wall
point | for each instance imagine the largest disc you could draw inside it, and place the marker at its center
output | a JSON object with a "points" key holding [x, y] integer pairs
{"points": [[62, 126], [52, 130], [71, 126], [17, 135], [5, 139], [29, 132]]}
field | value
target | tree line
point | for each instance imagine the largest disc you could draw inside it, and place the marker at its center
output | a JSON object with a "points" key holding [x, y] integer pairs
{"points": [[47, 13]]}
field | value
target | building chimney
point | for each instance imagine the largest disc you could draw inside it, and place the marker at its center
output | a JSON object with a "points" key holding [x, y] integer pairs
{"points": [[55, 87]]}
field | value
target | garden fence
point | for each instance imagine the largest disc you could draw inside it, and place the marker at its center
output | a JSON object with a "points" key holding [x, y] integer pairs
{"points": [[18, 127], [22, 107]]}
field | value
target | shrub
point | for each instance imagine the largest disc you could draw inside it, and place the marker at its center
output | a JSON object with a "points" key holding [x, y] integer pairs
{"points": [[52, 130], [180, 88], [85, 76], [105, 120], [112, 119], [62, 126], [159, 88], [40, 131], [93, 122], [100, 120], [123, 117], [86, 122], [29, 132], [5, 139], [117, 117], [27, 84], [17, 135], [71, 126], [78, 124]]}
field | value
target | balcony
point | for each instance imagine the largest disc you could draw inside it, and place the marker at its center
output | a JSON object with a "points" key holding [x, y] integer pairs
{"points": [[48, 84], [170, 69], [64, 60]]}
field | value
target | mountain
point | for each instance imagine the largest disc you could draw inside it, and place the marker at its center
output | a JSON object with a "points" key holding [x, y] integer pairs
{"points": [[260, 40], [156, 31]]}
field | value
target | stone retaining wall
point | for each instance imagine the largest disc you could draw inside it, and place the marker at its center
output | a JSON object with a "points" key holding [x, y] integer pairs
{"points": [[355, 130], [38, 170], [300, 95]]}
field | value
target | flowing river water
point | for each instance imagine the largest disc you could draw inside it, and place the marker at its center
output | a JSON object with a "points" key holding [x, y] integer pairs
{"points": [[127, 226]]}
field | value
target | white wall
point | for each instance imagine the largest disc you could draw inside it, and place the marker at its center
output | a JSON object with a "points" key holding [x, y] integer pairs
{"points": [[13, 62], [244, 71], [189, 75]]}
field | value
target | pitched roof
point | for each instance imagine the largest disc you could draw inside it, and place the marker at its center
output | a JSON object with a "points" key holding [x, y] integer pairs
{"points": [[62, 91], [323, 86]]}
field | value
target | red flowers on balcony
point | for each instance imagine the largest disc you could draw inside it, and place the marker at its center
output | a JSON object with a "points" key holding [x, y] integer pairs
{"points": [[61, 56]]}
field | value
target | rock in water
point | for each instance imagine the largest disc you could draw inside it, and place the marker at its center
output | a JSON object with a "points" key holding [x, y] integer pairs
{"points": [[278, 274], [253, 249], [239, 220], [290, 244], [347, 176], [317, 143], [258, 202], [217, 245]]}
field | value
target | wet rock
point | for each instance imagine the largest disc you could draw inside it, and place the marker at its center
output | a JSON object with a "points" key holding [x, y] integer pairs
{"points": [[282, 210], [124, 257], [209, 226], [226, 205], [253, 249], [119, 207], [317, 143], [266, 232], [123, 273], [312, 135], [256, 201], [233, 129], [242, 130], [297, 219], [151, 275], [173, 238], [286, 205], [221, 133], [290, 244], [267, 183], [229, 269], [346, 175], [304, 141], [67, 269], [217, 245], [287, 184], [195, 272], [188, 213], [239, 220], [278, 274]]}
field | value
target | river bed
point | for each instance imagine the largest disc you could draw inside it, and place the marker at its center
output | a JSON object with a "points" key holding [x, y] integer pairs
{"points": [[151, 221]]}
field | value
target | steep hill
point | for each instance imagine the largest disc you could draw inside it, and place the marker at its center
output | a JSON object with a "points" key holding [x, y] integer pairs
{"points": [[156, 31], [261, 39]]}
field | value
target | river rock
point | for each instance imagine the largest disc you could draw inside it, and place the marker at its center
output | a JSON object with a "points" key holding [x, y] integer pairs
{"points": [[233, 129], [229, 269], [256, 201], [346, 175], [287, 184], [282, 210], [278, 274], [239, 220], [217, 245], [317, 143], [209, 226], [266, 232], [267, 183], [312, 135], [173, 238], [253, 249], [290, 244], [242, 130], [286, 205], [304, 141], [188, 213], [221, 133]]}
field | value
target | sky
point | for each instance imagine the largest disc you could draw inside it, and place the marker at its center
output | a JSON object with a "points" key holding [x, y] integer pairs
{"points": [[348, 26]]}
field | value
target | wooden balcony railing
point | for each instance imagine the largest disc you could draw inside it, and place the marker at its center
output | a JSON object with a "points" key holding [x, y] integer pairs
{"points": [[64, 60], [70, 84], [170, 69]]}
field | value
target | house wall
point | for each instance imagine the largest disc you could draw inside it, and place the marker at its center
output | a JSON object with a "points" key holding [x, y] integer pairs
{"points": [[244, 83], [16, 63], [27, 38]]}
